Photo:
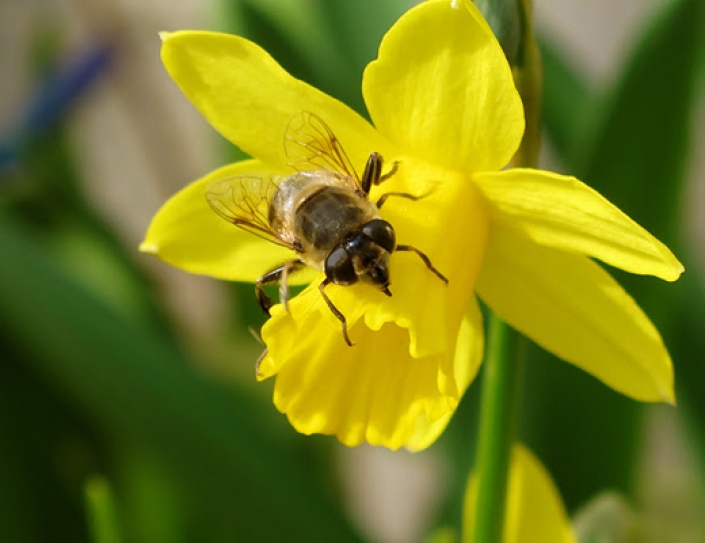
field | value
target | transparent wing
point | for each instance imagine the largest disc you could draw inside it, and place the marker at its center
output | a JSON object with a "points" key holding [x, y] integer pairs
{"points": [[244, 201], [310, 144]]}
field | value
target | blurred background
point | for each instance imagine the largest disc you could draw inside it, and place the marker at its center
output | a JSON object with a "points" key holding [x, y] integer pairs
{"points": [[128, 405]]}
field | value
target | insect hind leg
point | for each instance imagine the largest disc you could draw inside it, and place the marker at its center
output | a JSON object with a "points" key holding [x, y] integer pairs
{"points": [[279, 275]]}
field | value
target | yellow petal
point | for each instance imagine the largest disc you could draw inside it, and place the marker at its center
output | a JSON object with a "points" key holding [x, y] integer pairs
{"points": [[535, 512], [573, 308], [188, 234], [441, 88], [561, 212], [374, 391], [468, 356], [251, 100]]}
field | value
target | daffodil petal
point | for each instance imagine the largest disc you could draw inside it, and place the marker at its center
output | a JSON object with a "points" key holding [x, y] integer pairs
{"points": [[251, 100], [560, 211], [188, 234], [373, 391], [535, 512], [573, 308], [442, 89], [468, 357]]}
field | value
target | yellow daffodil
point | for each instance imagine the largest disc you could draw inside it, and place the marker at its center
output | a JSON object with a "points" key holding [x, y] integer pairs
{"points": [[535, 512], [444, 107]]}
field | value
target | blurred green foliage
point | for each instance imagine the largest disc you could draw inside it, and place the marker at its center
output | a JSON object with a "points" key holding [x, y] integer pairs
{"points": [[96, 388]]}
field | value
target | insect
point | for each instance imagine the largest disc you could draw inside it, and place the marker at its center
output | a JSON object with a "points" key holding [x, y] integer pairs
{"points": [[322, 212]]}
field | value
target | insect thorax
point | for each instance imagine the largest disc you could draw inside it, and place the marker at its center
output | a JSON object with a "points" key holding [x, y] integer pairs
{"points": [[319, 208]]}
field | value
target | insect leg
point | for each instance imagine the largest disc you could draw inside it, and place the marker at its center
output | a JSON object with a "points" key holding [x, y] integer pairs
{"points": [[406, 195], [425, 259], [335, 310], [280, 274], [258, 363], [287, 269], [373, 172], [390, 173]]}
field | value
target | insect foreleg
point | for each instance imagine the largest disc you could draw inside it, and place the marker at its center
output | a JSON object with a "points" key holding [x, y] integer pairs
{"points": [[373, 172], [335, 311], [425, 259], [277, 275], [390, 173]]}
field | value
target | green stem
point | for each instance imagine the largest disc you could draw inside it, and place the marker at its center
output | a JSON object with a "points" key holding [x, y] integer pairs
{"points": [[501, 398], [527, 78], [501, 386]]}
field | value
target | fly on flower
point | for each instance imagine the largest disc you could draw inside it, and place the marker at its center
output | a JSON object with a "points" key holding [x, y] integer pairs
{"points": [[322, 212]]}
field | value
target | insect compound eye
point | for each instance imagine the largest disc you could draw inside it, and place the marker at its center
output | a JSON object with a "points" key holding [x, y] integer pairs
{"points": [[339, 267], [382, 233]]}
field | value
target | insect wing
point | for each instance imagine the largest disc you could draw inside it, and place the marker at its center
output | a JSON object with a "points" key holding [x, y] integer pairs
{"points": [[310, 144], [244, 201]]}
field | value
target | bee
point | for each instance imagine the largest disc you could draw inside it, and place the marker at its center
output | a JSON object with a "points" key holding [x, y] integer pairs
{"points": [[322, 212]]}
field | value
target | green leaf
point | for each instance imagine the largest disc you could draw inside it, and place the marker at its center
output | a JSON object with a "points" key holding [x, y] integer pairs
{"points": [[359, 27], [504, 18], [567, 103]]}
